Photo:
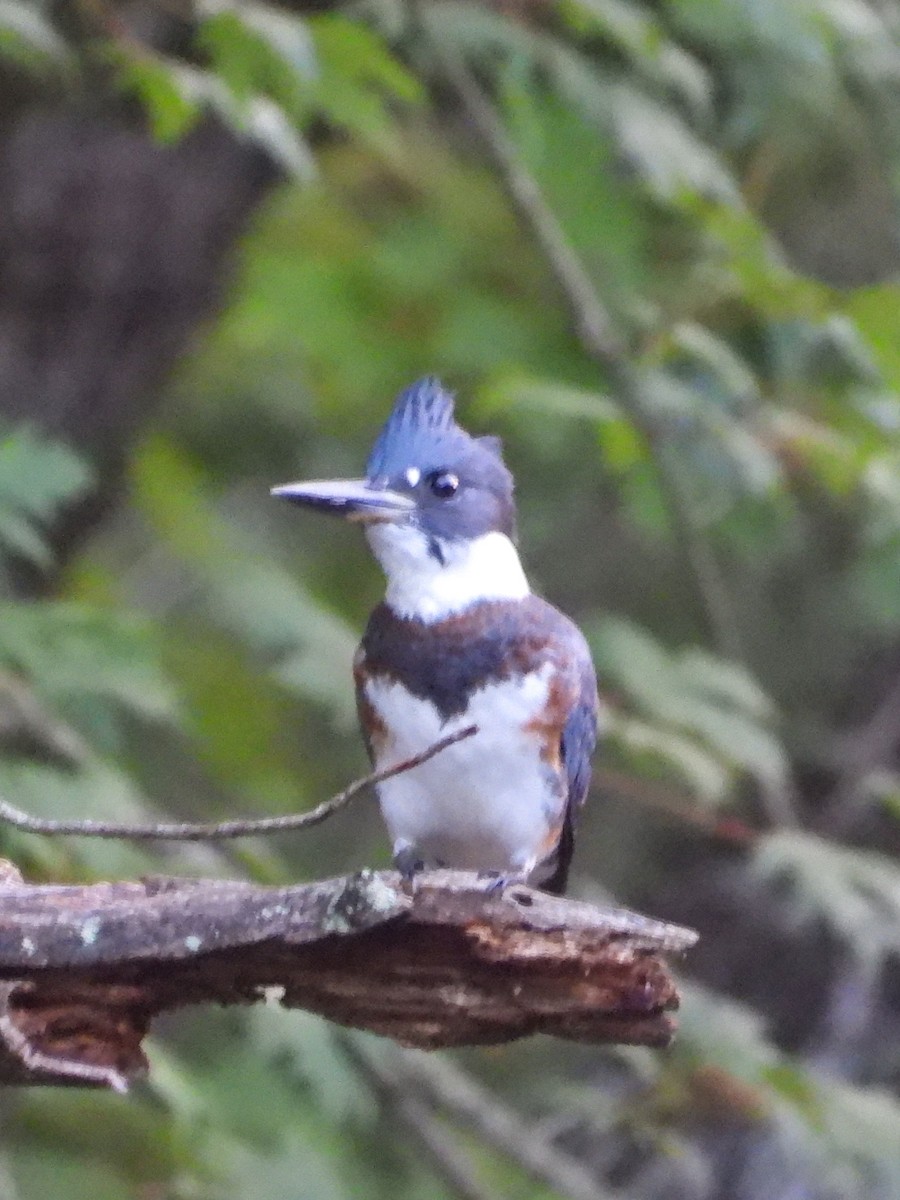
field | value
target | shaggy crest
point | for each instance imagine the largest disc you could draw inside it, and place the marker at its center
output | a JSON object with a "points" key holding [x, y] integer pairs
{"points": [[421, 429]]}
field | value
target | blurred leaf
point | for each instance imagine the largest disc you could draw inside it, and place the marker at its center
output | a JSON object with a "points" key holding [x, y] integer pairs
{"points": [[311, 1046], [730, 682], [37, 478], [28, 36], [651, 746], [357, 77], [72, 653], [830, 1129], [306, 648], [167, 91], [709, 717], [873, 309], [548, 396], [100, 789], [176, 95], [298, 1169], [856, 892], [884, 786], [700, 344], [269, 125], [667, 154], [641, 37], [257, 48]]}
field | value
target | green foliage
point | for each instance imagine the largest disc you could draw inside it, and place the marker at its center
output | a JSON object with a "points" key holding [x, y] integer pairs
{"points": [[78, 657], [305, 647], [357, 75], [702, 717], [37, 479], [255, 47], [170, 93], [809, 1112], [856, 892], [28, 37], [726, 173], [269, 74]]}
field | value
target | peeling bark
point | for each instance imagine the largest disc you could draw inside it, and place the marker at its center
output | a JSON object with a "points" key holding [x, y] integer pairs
{"points": [[86, 969]]}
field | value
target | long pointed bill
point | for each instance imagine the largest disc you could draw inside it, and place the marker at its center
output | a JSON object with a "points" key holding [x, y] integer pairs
{"points": [[354, 499]]}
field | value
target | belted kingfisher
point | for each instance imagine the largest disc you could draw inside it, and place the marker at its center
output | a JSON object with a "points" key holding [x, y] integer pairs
{"points": [[460, 639]]}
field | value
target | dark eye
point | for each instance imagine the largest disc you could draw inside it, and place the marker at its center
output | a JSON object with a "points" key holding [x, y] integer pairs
{"points": [[443, 484]]}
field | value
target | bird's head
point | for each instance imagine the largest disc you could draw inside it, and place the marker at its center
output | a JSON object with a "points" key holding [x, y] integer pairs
{"points": [[435, 501], [425, 472]]}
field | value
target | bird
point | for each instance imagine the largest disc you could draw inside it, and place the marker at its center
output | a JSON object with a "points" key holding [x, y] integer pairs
{"points": [[460, 639]]}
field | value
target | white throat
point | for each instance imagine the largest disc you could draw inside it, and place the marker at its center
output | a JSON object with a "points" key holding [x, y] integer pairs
{"points": [[420, 585]]}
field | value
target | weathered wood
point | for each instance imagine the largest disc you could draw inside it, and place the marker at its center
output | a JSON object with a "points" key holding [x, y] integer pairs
{"points": [[85, 969]]}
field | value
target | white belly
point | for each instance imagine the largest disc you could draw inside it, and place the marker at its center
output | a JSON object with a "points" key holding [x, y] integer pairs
{"points": [[486, 803]]}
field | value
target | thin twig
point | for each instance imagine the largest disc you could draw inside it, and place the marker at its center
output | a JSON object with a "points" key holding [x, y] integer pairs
{"points": [[188, 831]]}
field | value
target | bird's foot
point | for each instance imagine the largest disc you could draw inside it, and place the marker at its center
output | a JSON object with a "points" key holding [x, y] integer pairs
{"points": [[409, 863], [494, 881], [498, 882]]}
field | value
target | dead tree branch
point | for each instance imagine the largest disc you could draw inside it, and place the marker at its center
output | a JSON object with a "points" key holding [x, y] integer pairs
{"points": [[85, 969]]}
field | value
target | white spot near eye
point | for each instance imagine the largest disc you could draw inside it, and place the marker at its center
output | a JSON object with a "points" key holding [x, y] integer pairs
{"points": [[412, 475]]}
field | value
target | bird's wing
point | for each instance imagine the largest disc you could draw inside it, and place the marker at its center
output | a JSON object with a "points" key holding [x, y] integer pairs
{"points": [[364, 710], [579, 736]]}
